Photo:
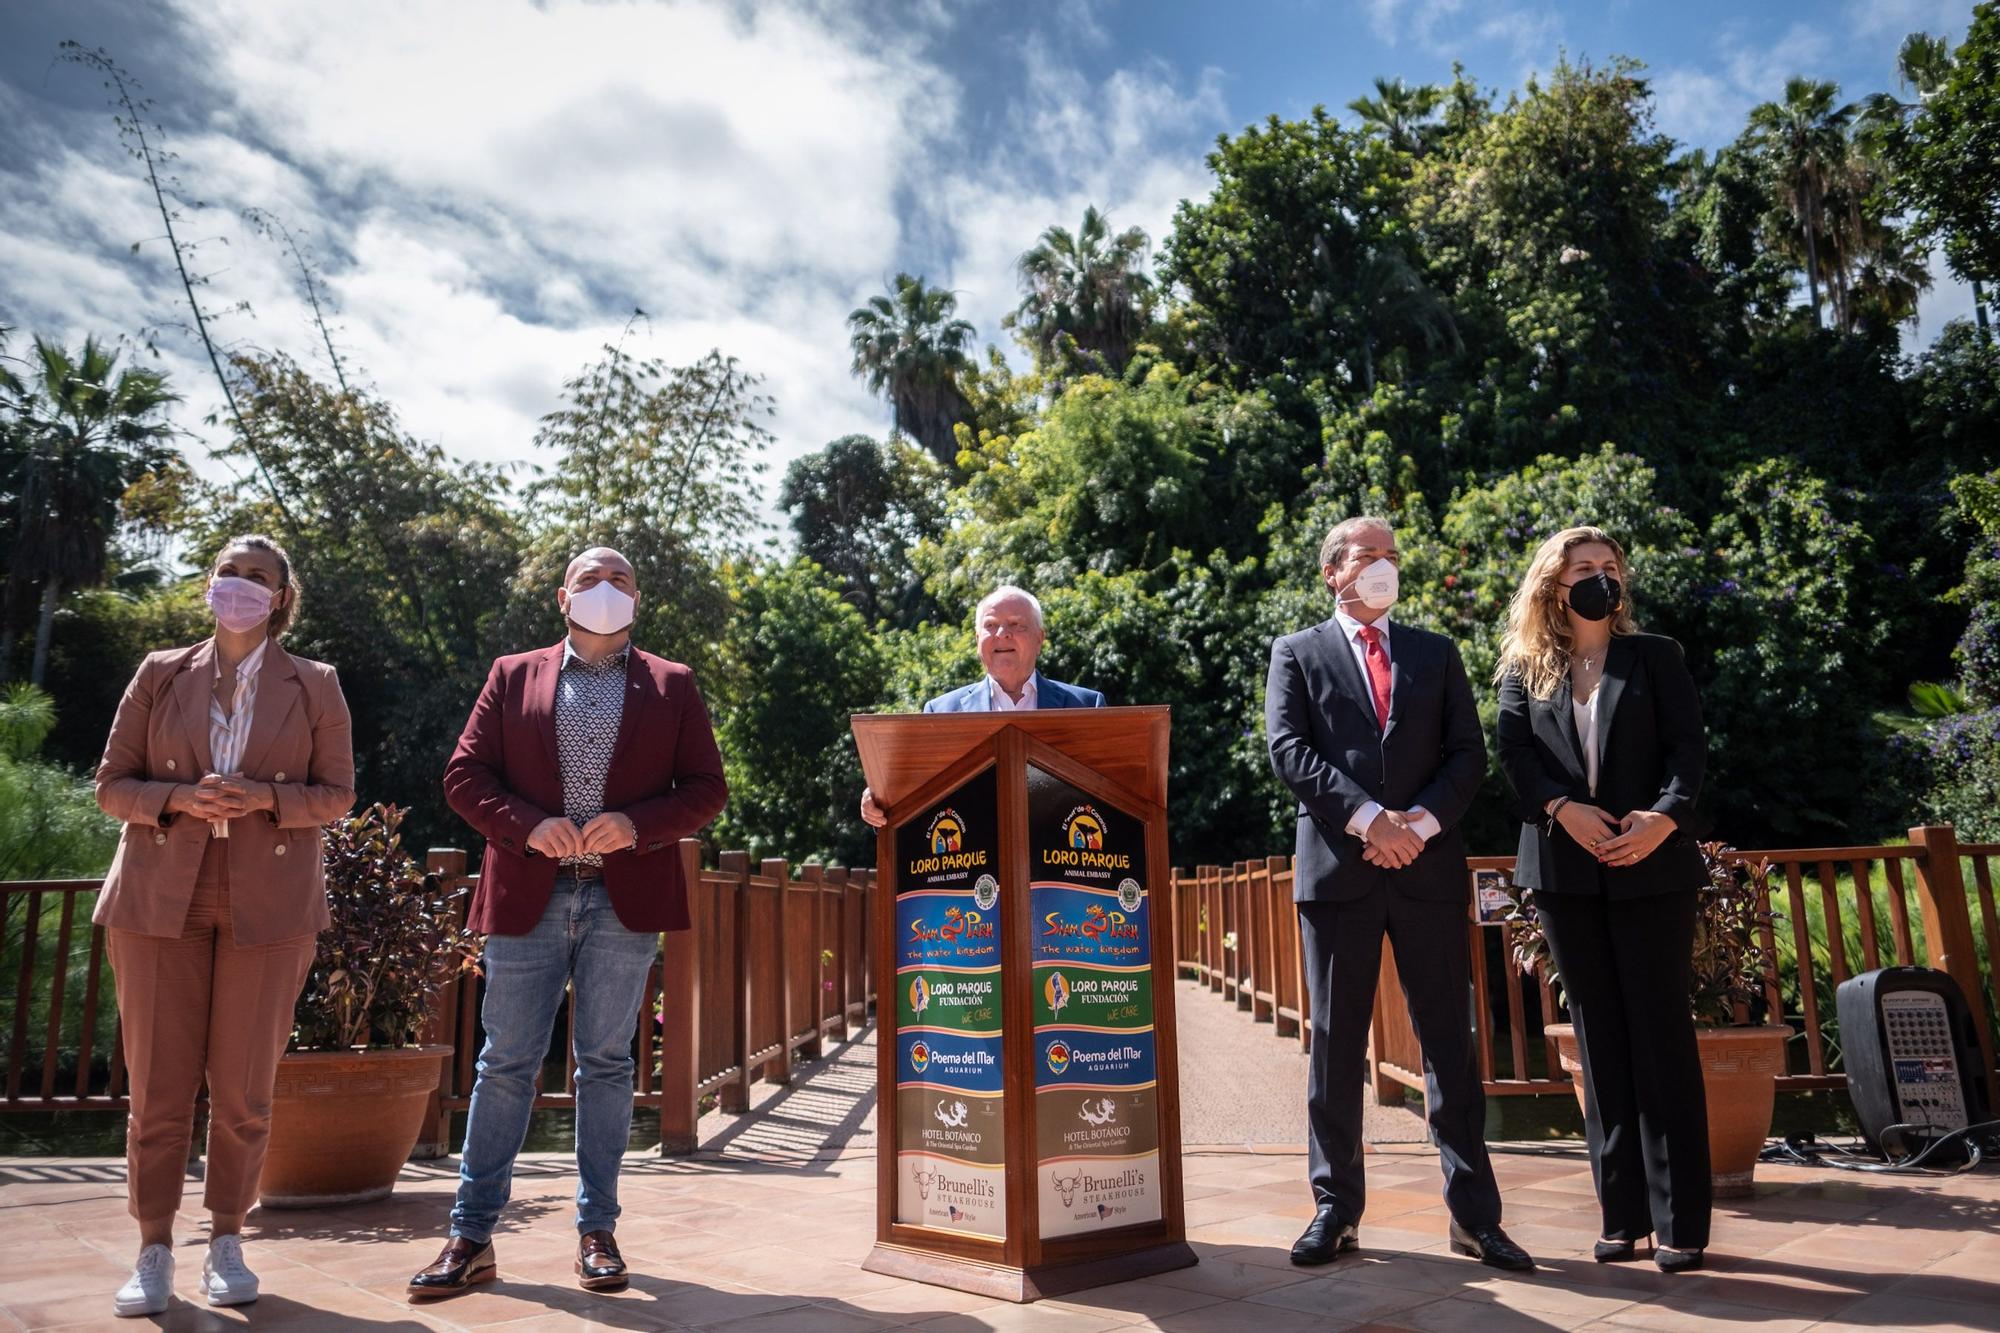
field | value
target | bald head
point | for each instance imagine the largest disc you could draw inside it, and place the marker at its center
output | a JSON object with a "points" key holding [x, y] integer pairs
{"points": [[603, 565]]}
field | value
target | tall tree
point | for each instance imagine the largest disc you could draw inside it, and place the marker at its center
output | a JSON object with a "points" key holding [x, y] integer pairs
{"points": [[1394, 305], [911, 349], [1804, 143], [1401, 115], [88, 433], [858, 507], [1087, 296]]}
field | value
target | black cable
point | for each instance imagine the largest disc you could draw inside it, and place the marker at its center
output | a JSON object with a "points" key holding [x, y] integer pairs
{"points": [[1806, 1150]]}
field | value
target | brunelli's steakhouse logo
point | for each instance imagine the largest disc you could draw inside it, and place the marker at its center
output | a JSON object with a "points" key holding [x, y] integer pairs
{"points": [[924, 1180], [1067, 1186]]}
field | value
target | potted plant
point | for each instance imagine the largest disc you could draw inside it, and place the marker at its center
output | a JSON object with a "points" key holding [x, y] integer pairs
{"points": [[353, 1088], [1742, 1048]]}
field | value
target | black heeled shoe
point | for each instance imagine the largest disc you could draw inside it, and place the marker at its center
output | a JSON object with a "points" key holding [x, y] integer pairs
{"points": [[1615, 1251], [1672, 1260]]}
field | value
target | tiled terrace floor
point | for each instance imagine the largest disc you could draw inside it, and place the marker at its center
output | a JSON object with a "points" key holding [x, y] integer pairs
{"points": [[742, 1242]]}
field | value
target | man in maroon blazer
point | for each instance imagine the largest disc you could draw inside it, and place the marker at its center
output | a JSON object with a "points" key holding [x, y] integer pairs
{"points": [[582, 765]]}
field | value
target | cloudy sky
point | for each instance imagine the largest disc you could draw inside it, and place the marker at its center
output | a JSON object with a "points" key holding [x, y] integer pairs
{"points": [[490, 189]]}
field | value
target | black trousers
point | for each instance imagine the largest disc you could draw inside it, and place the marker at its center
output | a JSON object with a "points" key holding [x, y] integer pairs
{"points": [[1625, 966], [1342, 944]]}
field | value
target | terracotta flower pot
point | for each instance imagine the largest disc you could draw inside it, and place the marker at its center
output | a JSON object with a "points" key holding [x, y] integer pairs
{"points": [[343, 1123], [1739, 1075]]}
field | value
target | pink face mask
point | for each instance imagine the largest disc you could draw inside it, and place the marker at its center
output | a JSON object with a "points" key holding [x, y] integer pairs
{"points": [[239, 604]]}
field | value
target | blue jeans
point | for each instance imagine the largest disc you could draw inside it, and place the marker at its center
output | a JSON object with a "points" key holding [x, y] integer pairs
{"points": [[578, 943]]}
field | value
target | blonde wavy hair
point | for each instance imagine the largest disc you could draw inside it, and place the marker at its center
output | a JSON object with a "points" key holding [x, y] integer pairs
{"points": [[1536, 647]]}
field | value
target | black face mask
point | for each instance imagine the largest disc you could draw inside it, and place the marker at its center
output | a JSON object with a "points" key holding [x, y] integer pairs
{"points": [[1596, 597]]}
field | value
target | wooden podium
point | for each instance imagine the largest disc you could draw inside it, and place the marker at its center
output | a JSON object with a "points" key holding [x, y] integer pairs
{"points": [[1029, 1124]]}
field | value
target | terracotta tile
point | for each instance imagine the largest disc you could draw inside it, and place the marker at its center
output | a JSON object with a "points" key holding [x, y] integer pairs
{"points": [[1239, 1316], [1231, 1278], [1336, 1298], [1135, 1301]]}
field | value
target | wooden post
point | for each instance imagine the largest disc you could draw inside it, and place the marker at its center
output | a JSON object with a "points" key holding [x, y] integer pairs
{"points": [[778, 1069], [842, 957], [1948, 931], [735, 1095], [434, 1139], [813, 875], [680, 1014]]}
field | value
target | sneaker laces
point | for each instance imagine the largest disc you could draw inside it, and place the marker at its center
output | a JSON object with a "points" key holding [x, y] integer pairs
{"points": [[151, 1260], [225, 1256]]}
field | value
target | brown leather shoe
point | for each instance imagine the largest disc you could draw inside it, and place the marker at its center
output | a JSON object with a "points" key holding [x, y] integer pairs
{"points": [[599, 1267], [460, 1265]]}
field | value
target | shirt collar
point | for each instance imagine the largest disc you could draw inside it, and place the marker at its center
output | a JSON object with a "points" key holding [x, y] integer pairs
{"points": [[570, 654], [1029, 694], [1351, 628], [252, 663]]}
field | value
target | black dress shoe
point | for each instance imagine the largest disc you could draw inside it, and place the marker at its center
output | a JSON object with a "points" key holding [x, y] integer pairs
{"points": [[461, 1264], [1672, 1260], [1490, 1246], [1325, 1239], [599, 1266]]}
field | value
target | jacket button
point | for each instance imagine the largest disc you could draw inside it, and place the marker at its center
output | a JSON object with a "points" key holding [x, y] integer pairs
{"points": [[159, 837], [278, 777], [279, 850], [170, 765]]}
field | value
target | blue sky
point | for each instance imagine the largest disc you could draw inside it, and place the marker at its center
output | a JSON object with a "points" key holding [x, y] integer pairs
{"points": [[491, 188]]}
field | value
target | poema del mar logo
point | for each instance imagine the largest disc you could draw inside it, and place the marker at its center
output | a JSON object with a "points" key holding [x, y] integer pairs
{"points": [[920, 1057], [1058, 1056]]}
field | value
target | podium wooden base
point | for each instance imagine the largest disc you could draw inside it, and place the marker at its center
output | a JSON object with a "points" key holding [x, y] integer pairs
{"points": [[1025, 1284]]}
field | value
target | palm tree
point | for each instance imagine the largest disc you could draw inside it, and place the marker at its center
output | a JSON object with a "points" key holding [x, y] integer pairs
{"points": [[1089, 293], [911, 350], [88, 431], [1399, 115], [1390, 304], [1804, 140]]}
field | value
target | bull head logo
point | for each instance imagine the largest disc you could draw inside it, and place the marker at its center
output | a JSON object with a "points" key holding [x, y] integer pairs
{"points": [[1067, 1187], [924, 1179]]}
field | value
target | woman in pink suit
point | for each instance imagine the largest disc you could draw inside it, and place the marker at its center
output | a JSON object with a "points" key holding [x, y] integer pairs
{"points": [[224, 761]]}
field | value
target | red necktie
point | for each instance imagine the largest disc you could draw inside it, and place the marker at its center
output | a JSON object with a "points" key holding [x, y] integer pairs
{"points": [[1378, 673]]}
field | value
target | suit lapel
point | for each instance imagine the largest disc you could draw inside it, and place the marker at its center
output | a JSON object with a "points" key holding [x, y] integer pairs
{"points": [[1402, 648], [1341, 649], [542, 701], [1561, 723], [638, 691], [193, 688], [278, 693], [1617, 669]]}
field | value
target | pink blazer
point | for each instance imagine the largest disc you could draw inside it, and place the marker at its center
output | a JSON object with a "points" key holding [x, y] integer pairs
{"points": [[299, 743]]}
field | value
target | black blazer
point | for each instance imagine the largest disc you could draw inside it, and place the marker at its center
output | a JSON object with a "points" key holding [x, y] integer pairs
{"points": [[1651, 753], [1319, 720]]}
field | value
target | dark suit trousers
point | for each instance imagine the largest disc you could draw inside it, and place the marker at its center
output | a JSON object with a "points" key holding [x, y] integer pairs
{"points": [[1342, 944], [1625, 967]]}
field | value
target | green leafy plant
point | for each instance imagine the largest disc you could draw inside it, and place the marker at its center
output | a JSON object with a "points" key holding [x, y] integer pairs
{"points": [[397, 939], [1727, 987]]}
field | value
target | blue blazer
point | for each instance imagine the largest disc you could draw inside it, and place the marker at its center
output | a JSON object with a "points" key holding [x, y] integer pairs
{"points": [[1048, 694]]}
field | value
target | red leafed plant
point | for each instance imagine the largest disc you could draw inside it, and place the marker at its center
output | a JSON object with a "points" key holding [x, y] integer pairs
{"points": [[397, 939]]}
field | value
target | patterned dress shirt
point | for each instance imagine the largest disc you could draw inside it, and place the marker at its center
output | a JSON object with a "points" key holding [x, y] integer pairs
{"points": [[590, 703]]}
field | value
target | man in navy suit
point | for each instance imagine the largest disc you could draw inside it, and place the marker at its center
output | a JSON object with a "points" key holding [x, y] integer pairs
{"points": [[1376, 733], [1009, 622]]}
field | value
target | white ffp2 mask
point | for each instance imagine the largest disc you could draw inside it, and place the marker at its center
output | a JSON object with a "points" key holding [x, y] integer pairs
{"points": [[1376, 587]]}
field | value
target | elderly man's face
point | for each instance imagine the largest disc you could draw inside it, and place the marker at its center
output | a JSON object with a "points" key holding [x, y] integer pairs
{"points": [[1009, 641]]}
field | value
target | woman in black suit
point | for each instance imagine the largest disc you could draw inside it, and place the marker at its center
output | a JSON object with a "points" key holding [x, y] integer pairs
{"points": [[1601, 738]]}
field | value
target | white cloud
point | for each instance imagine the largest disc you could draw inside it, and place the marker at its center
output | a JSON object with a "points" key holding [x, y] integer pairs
{"points": [[1706, 106], [1528, 33]]}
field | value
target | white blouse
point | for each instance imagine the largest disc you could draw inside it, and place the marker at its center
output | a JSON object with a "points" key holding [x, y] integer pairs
{"points": [[229, 732], [1586, 731]]}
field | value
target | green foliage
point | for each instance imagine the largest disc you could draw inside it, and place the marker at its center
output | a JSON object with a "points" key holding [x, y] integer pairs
{"points": [[800, 660], [910, 347], [395, 942], [50, 826], [1947, 157], [857, 508]]}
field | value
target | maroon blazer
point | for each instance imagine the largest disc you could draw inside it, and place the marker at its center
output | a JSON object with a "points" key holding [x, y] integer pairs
{"points": [[504, 778]]}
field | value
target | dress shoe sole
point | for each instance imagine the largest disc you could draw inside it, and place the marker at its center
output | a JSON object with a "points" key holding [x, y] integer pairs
{"points": [[608, 1282], [470, 1280]]}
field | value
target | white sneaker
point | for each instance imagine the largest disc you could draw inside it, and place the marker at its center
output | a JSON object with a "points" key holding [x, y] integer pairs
{"points": [[151, 1286], [225, 1278]]}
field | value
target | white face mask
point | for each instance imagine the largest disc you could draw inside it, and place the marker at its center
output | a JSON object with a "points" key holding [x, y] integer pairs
{"points": [[601, 609], [1376, 586]]}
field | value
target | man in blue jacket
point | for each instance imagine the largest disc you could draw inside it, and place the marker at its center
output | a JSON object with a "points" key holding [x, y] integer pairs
{"points": [[1009, 622]]}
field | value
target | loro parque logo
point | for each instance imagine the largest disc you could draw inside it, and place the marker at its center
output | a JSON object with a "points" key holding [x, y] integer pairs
{"points": [[1083, 830], [1082, 843], [946, 833], [920, 994], [944, 842]]}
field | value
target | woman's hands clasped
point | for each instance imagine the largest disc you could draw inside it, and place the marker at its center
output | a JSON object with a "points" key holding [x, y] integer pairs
{"points": [[1615, 842]]}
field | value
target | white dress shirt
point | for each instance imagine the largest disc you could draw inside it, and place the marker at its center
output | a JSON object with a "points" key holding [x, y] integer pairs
{"points": [[1422, 821], [229, 733], [999, 701]]}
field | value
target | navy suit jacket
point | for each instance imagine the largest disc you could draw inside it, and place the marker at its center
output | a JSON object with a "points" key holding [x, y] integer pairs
{"points": [[1319, 721], [1048, 694]]}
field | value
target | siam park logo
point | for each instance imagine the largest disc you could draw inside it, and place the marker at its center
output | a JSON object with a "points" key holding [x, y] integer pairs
{"points": [[966, 932]]}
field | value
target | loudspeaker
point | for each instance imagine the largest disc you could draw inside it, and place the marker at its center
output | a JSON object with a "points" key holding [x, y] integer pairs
{"points": [[1913, 1063]]}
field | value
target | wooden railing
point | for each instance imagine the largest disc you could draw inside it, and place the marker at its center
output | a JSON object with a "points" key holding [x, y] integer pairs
{"points": [[1236, 931], [773, 966]]}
